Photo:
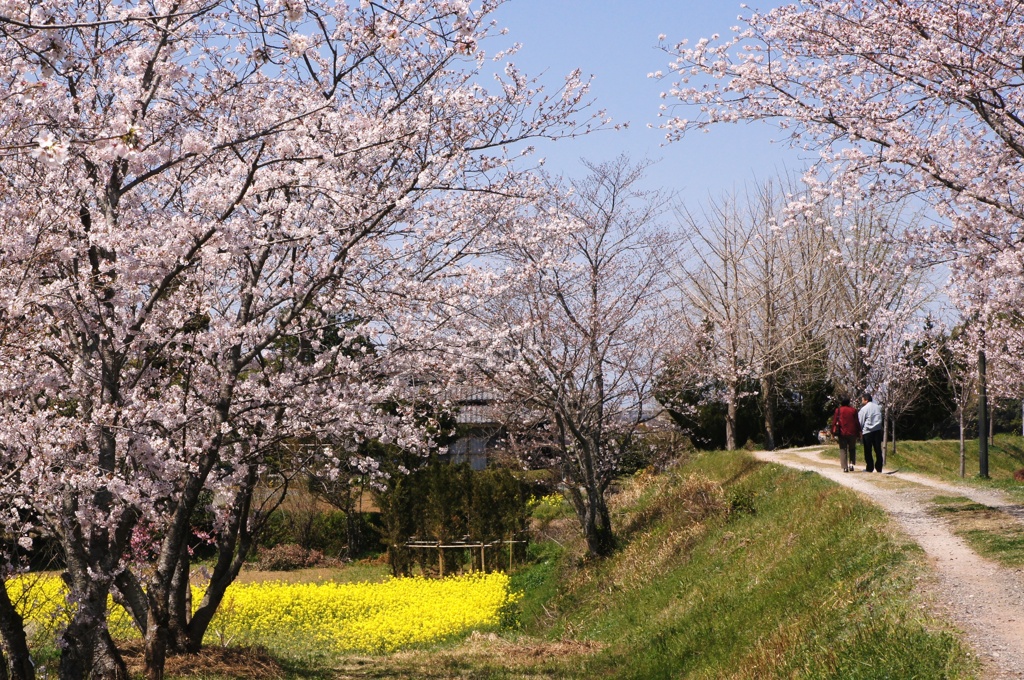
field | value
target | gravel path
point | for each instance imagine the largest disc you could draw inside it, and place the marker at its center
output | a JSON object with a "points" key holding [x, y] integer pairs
{"points": [[983, 598]]}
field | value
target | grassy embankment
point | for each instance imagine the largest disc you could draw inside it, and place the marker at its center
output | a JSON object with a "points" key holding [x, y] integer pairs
{"points": [[990, 532], [728, 568]]}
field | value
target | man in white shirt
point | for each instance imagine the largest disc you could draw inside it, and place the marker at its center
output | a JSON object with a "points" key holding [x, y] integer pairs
{"points": [[870, 417]]}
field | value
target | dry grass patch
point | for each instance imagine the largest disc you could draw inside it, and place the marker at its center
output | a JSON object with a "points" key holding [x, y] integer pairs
{"points": [[372, 571], [221, 662], [686, 512], [990, 532], [479, 656]]}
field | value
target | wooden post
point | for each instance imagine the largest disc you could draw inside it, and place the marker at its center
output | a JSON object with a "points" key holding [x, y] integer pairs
{"points": [[483, 563], [440, 558], [510, 555]]}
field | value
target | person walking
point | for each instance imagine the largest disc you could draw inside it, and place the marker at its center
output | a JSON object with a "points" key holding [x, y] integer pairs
{"points": [[870, 417], [846, 428]]}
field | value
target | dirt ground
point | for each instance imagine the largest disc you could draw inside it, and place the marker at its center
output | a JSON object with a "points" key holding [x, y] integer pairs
{"points": [[984, 599]]}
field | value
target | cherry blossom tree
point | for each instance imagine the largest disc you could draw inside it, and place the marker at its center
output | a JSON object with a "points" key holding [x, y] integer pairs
{"points": [[902, 98], [579, 332], [194, 192], [897, 376], [780, 284]]}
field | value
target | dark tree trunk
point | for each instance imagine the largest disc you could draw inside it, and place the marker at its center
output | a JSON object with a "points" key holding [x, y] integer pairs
{"points": [[87, 649], [180, 610], [353, 531], [132, 597], [12, 630], [592, 511], [157, 634], [963, 457], [768, 403], [161, 586], [731, 416], [600, 539], [893, 436], [982, 416], [233, 547]]}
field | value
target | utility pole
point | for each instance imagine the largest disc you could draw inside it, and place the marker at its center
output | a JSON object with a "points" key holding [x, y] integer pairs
{"points": [[982, 417]]}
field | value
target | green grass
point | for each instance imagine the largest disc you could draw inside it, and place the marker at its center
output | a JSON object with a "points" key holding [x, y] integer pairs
{"points": [[798, 579], [539, 582], [990, 533]]}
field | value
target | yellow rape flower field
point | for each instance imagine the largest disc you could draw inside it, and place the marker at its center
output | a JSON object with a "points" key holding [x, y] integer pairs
{"points": [[334, 617]]}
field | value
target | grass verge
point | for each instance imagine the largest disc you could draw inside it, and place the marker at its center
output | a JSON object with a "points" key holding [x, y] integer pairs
{"points": [[795, 577], [941, 459], [990, 532]]}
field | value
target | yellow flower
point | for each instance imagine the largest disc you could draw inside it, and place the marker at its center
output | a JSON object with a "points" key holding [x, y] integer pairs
{"points": [[363, 617]]}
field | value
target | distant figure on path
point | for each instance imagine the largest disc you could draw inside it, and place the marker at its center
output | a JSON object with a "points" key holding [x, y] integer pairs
{"points": [[846, 428], [870, 417]]}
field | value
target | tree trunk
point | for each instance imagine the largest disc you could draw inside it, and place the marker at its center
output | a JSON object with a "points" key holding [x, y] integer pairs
{"points": [[180, 612], [87, 651], [161, 584], [233, 547], [600, 540], [131, 595], [885, 434], [12, 630], [730, 420], [769, 405], [157, 634], [963, 456], [982, 416], [353, 531], [594, 519]]}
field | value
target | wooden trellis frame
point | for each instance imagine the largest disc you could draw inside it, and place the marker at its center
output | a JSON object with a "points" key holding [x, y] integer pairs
{"points": [[464, 544]]}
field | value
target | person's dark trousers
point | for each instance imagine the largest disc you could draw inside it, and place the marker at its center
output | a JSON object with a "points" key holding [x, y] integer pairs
{"points": [[873, 441]]}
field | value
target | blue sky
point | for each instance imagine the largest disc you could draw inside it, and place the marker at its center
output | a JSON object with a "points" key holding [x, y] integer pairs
{"points": [[616, 42]]}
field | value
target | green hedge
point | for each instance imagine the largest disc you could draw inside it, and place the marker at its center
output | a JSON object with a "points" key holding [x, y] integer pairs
{"points": [[442, 502]]}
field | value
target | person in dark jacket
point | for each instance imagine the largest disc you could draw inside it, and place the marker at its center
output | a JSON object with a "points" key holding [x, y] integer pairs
{"points": [[870, 417], [846, 428]]}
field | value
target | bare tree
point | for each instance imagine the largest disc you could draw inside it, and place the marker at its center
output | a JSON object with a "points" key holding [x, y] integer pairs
{"points": [[715, 289], [755, 277], [579, 333]]}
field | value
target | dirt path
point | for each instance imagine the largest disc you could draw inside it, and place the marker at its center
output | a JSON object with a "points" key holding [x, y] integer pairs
{"points": [[983, 598]]}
